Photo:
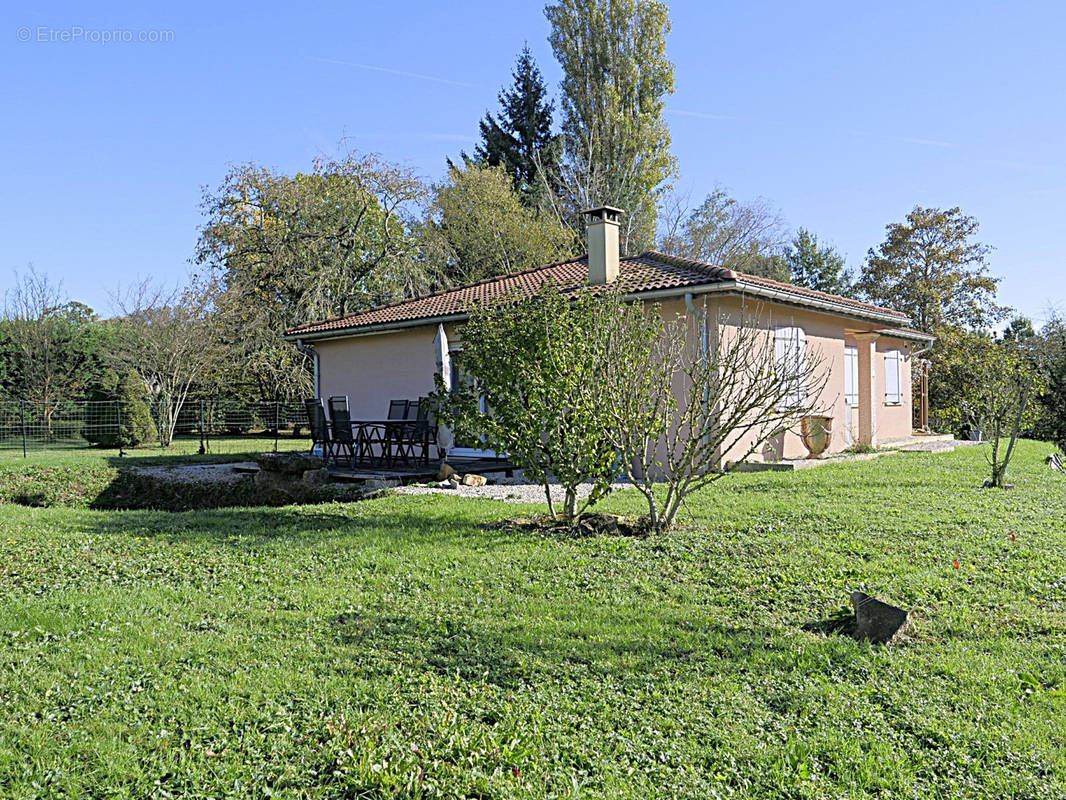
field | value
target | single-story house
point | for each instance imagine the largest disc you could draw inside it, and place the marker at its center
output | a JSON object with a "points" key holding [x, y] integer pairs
{"points": [[394, 351]]}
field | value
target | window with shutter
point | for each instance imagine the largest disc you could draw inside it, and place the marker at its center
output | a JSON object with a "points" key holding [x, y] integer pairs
{"points": [[893, 390], [851, 375], [790, 353]]}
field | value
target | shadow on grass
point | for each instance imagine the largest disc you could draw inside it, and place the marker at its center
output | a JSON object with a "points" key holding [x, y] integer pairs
{"points": [[510, 657], [842, 623], [311, 525]]}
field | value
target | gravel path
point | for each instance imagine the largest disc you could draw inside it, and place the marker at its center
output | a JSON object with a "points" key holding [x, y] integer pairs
{"points": [[510, 490], [195, 473]]}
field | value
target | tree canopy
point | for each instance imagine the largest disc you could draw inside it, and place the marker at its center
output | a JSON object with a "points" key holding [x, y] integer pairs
{"points": [[616, 76], [744, 236], [931, 268], [478, 228], [520, 139], [816, 266]]}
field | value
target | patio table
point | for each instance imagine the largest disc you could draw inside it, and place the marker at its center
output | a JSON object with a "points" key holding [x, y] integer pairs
{"points": [[381, 432]]}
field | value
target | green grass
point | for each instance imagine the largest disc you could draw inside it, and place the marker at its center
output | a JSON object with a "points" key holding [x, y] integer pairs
{"points": [[408, 647], [182, 450]]}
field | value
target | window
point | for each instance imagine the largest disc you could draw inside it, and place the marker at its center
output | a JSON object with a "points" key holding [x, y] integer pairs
{"points": [[851, 375], [893, 384], [790, 352]]}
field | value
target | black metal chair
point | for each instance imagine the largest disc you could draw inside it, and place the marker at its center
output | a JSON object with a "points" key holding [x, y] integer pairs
{"points": [[424, 434], [342, 440], [318, 424], [398, 409], [414, 438]]}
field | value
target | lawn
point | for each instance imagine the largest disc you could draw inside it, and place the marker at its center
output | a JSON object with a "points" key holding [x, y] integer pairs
{"points": [[185, 448], [410, 647]]}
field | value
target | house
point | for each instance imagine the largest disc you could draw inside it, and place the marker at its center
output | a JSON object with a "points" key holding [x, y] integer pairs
{"points": [[393, 351]]}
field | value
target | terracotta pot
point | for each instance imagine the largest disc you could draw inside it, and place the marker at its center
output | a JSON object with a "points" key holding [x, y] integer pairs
{"points": [[817, 434]]}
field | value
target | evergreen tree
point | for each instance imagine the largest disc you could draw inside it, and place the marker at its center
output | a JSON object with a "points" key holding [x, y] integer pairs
{"points": [[521, 139], [123, 414], [816, 266]]}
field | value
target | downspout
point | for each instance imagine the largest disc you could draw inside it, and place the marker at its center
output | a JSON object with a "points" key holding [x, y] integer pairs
{"points": [[309, 350], [701, 317]]}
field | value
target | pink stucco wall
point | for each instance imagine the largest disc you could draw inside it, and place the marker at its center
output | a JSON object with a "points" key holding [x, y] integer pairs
{"points": [[827, 335], [374, 369]]}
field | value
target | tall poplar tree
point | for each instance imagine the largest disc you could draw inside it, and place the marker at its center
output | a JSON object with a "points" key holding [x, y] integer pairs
{"points": [[615, 78]]}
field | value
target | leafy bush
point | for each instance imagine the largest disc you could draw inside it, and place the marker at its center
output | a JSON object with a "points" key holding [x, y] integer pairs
{"points": [[126, 423]]}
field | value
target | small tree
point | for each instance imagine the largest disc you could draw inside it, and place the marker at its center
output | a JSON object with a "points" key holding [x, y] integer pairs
{"points": [[478, 227], [127, 419], [525, 367], [816, 266], [170, 339], [1005, 382], [52, 341], [683, 406]]}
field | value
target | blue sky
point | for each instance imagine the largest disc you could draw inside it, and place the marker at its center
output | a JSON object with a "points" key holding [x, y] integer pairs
{"points": [[844, 115]]}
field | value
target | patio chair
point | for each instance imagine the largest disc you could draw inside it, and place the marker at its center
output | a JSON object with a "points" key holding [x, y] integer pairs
{"points": [[343, 440], [413, 441], [319, 427], [398, 409]]}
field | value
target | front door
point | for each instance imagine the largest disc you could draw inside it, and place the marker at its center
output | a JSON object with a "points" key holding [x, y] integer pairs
{"points": [[851, 392], [467, 444]]}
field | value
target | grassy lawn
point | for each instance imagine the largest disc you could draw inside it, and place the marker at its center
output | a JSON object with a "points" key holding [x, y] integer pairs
{"points": [[182, 449], [408, 647]]}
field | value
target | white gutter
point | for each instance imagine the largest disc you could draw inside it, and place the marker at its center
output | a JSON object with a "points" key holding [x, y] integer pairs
{"points": [[725, 287], [701, 317], [741, 288], [381, 327]]}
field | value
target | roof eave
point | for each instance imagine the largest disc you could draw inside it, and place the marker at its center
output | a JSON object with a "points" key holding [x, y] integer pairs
{"points": [[737, 287], [741, 287], [916, 336], [366, 330]]}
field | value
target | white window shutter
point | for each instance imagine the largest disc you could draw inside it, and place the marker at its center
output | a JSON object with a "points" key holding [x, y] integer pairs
{"points": [[790, 354], [851, 375], [893, 393]]}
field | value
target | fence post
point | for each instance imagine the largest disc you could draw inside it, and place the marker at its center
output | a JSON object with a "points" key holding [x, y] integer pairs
{"points": [[22, 409], [118, 432], [277, 423], [203, 449]]}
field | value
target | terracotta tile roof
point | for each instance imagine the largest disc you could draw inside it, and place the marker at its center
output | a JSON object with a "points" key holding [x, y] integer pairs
{"points": [[648, 272]]}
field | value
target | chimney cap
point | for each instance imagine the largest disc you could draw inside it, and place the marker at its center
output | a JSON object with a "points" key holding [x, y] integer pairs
{"points": [[605, 213]]}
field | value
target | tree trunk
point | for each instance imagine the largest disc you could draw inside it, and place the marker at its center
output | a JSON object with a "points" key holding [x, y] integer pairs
{"points": [[571, 504]]}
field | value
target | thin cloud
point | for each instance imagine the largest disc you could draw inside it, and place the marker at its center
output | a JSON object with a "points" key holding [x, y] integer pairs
{"points": [[929, 142], [461, 138], [1008, 164], [794, 126], [703, 115], [389, 71]]}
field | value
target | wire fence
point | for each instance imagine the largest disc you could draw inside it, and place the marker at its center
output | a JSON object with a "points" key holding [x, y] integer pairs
{"points": [[204, 426]]}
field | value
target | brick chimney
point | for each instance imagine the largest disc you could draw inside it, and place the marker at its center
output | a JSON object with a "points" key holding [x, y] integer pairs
{"points": [[602, 235]]}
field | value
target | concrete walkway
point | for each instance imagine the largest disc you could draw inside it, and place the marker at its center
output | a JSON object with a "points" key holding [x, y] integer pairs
{"points": [[932, 443]]}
